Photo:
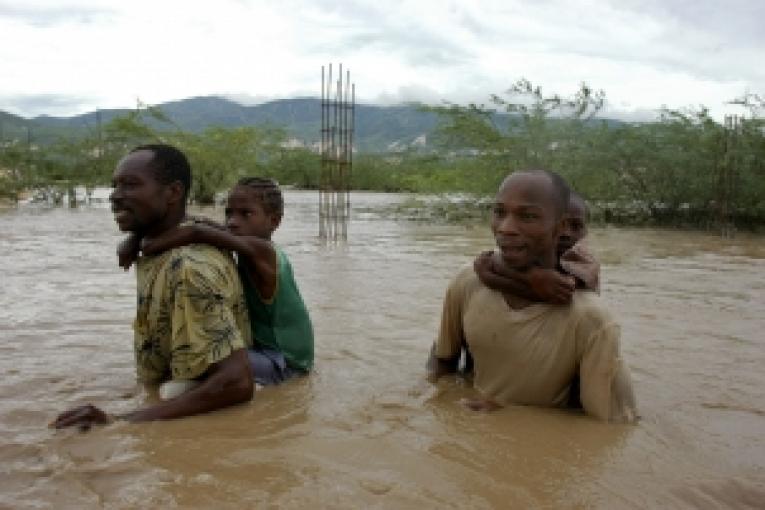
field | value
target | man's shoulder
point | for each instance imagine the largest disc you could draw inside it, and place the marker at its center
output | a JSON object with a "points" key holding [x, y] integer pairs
{"points": [[588, 307], [204, 253], [465, 282], [466, 275], [200, 261]]}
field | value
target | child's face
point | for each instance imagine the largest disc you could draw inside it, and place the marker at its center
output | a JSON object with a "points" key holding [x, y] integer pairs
{"points": [[575, 226], [245, 215]]}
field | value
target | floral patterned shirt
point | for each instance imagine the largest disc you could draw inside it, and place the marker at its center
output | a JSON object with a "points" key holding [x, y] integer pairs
{"points": [[191, 313]]}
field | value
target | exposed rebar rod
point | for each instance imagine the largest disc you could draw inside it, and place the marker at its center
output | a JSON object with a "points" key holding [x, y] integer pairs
{"points": [[337, 123]]}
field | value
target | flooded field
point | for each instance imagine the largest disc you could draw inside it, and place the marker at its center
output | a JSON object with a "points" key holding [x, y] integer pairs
{"points": [[366, 430]]}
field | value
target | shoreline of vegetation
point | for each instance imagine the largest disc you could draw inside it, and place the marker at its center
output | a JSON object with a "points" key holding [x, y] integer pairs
{"points": [[477, 210], [457, 208], [684, 170]]}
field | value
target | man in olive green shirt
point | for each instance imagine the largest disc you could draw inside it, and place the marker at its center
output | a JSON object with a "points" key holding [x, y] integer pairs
{"points": [[525, 352], [191, 323]]}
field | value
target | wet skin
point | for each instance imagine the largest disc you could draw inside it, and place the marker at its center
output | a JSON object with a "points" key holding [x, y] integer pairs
{"points": [[524, 221], [245, 215], [149, 208], [537, 284], [574, 226], [247, 232], [526, 226], [141, 203]]}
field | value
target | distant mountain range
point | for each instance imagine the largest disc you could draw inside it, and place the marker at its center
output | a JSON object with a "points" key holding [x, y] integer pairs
{"points": [[377, 128]]}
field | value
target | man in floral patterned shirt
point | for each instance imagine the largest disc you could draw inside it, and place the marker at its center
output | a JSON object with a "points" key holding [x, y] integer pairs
{"points": [[191, 324]]}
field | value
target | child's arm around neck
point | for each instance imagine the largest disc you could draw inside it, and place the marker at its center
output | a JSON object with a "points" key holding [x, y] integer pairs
{"points": [[258, 255]]}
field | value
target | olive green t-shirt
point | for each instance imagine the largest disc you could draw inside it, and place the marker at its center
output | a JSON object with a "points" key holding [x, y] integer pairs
{"points": [[191, 313], [531, 355]]}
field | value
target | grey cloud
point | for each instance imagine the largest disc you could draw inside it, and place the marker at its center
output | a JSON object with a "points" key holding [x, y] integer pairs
{"points": [[471, 24], [736, 22], [30, 105], [372, 27], [415, 48], [709, 39], [408, 94], [41, 16]]}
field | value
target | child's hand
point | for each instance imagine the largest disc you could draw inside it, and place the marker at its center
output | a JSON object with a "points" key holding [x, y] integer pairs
{"points": [[483, 266], [483, 405], [127, 251], [551, 286]]}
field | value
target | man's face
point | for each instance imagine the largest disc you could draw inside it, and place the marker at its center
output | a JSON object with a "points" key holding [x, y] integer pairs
{"points": [[524, 221], [245, 215], [138, 200], [574, 226]]}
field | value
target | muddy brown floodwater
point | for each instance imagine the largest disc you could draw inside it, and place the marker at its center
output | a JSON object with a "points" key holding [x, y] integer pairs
{"points": [[366, 430]]}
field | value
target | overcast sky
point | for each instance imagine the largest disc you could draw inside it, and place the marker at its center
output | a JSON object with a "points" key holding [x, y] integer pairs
{"points": [[63, 57]]}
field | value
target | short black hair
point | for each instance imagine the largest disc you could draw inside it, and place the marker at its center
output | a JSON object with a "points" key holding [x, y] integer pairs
{"points": [[268, 192], [169, 164], [560, 187]]}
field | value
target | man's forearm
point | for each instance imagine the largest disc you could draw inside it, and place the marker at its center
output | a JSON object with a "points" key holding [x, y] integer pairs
{"points": [[222, 239], [512, 282], [128, 250], [253, 248], [228, 385], [437, 367]]}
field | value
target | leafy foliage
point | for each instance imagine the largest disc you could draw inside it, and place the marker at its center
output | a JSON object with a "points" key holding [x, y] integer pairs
{"points": [[684, 169]]}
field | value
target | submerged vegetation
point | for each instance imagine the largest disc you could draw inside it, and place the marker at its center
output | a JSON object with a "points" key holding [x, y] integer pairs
{"points": [[684, 169]]}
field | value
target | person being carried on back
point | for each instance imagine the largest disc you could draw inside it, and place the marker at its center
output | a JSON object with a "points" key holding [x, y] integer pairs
{"points": [[576, 267], [526, 352], [191, 329], [283, 342]]}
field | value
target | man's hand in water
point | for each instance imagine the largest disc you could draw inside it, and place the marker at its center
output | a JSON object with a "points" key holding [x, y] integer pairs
{"points": [[551, 286], [82, 417], [480, 404], [127, 251]]}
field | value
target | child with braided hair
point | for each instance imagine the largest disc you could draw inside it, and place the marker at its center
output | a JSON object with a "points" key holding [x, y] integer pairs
{"points": [[281, 327]]}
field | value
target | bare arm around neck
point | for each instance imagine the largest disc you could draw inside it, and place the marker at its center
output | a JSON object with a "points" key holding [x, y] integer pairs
{"points": [[258, 254], [535, 284]]}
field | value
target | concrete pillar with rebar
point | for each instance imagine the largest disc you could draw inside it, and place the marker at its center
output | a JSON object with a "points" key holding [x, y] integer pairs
{"points": [[727, 175], [338, 100]]}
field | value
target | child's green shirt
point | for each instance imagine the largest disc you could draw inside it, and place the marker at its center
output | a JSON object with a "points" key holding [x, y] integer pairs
{"points": [[281, 323]]}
